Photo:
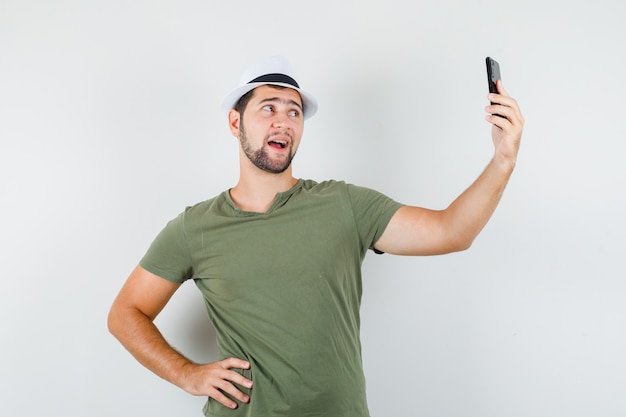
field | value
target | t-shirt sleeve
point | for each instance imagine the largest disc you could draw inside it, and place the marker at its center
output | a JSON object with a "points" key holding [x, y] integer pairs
{"points": [[372, 211], [168, 256]]}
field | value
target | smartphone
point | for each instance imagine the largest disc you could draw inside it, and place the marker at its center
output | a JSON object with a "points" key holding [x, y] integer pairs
{"points": [[493, 74]]}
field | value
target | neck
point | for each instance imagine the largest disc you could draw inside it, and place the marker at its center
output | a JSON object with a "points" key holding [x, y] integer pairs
{"points": [[257, 189]]}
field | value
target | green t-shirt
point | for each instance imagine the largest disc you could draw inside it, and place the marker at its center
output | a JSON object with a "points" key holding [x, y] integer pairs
{"points": [[283, 290]]}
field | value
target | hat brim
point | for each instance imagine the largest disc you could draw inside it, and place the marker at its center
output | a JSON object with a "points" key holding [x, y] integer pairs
{"points": [[309, 103]]}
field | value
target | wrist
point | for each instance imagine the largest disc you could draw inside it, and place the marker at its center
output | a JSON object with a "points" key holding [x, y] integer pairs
{"points": [[183, 372], [504, 164]]}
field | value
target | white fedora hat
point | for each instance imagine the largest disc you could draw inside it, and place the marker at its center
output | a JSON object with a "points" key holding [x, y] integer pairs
{"points": [[274, 70]]}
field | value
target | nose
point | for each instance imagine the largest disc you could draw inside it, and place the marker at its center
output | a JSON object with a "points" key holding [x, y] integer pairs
{"points": [[281, 121]]}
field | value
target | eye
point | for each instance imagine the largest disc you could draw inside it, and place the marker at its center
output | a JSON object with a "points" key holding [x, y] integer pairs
{"points": [[269, 108], [294, 113]]}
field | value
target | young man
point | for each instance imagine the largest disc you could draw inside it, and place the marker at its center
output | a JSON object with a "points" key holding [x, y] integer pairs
{"points": [[278, 262]]}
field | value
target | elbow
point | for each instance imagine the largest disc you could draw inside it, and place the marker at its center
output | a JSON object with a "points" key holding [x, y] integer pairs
{"points": [[465, 246], [114, 321], [461, 244], [111, 321]]}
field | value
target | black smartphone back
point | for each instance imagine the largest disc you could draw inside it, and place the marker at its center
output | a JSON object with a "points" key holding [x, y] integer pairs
{"points": [[493, 74]]}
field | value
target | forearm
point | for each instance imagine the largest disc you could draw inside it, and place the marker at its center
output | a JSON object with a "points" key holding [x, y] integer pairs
{"points": [[144, 341], [470, 212], [131, 321], [418, 231]]}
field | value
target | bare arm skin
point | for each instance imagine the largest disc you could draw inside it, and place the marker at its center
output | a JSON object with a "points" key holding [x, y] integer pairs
{"points": [[420, 231], [131, 321]]}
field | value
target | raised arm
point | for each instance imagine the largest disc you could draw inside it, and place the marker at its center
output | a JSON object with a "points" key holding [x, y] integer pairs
{"points": [[420, 231], [131, 321]]}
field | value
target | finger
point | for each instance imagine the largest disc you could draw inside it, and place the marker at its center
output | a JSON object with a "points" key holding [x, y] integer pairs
{"points": [[237, 378], [499, 111], [221, 398], [502, 100], [234, 363], [496, 109], [498, 121], [501, 89], [508, 108], [230, 389]]}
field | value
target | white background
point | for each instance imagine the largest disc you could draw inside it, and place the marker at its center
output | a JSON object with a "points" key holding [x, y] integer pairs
{"points": [[109, 127]]}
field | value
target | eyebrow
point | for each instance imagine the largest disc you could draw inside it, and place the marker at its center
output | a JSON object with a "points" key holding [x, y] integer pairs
{"points": [[280, 100]]}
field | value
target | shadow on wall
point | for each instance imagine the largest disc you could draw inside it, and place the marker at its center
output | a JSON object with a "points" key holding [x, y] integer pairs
{"points": [[186, 325]]}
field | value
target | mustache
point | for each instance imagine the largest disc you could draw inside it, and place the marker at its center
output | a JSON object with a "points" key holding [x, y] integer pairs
{"points": [[279, 133]]}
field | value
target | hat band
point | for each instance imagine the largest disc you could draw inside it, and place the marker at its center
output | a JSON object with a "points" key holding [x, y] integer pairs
{"points": [[275, 78]]}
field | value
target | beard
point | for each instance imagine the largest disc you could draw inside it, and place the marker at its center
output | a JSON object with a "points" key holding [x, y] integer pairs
{"points": [[260, 157]]}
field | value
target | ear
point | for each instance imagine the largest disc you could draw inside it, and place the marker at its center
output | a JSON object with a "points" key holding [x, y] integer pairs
{"points": [[234, 119]]}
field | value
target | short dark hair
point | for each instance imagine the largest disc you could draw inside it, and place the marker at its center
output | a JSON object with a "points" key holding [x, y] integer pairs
{"points": [[242, 103]]}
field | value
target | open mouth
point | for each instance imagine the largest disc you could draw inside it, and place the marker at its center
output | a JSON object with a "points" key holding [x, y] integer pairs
{"points": [[277, 143]]}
